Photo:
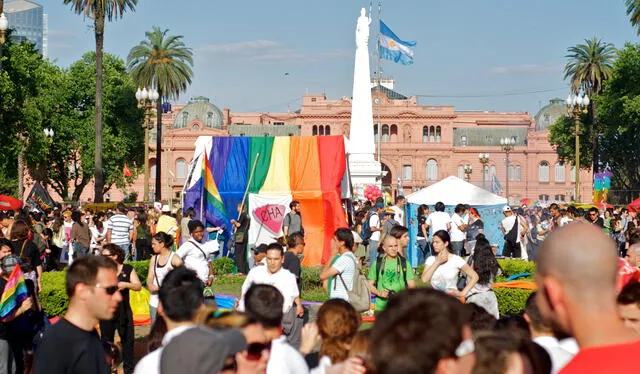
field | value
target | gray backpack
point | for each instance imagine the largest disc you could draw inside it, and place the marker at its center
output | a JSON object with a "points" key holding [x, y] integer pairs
{"points": [[359, 295]]}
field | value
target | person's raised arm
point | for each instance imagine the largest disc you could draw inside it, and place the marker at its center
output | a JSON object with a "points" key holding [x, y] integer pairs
{"points": [[428, 271]]}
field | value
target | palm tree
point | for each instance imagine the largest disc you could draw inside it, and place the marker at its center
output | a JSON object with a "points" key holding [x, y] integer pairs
{"points": [[100, 10], [164, 62], [588, 66], [633, 10]]}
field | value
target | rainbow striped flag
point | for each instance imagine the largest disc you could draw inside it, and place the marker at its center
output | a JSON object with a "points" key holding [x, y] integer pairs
{"points": [[15, 292], [212, 204]]}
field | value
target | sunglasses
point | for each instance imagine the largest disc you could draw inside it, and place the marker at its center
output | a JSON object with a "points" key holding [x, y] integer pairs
{"points": [[109, 290], [254, 350]]}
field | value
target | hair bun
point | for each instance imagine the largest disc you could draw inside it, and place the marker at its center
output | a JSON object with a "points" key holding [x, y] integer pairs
{"points": [[481, 237]]}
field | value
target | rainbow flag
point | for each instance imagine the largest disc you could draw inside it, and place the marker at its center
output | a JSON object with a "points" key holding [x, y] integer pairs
{"points": [[15, 292], [309, 169]]}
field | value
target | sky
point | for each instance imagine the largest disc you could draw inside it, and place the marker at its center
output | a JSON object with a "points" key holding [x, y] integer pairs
{"points": [[256, 56]]}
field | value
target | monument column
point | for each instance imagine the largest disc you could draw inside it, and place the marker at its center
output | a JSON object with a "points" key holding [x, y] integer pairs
{"points": [[363, 167]]}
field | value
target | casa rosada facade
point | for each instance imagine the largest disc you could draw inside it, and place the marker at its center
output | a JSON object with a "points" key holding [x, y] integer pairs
{"points": [[419, 144]]}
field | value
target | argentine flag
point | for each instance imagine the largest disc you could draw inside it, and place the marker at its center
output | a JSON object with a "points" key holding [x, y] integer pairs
{"points": [[394, 49]]}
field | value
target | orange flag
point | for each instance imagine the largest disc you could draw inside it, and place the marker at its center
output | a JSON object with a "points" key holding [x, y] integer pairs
{"points": [[126, 171]]}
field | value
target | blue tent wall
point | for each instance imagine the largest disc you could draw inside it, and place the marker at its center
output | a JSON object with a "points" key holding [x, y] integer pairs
{"points": [[491, 216]]}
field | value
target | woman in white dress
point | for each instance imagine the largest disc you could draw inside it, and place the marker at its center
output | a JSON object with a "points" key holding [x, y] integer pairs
{"points": [[442, 270]]}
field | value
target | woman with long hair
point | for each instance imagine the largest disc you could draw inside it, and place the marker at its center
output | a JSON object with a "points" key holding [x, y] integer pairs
{"points": [[123, 318], [486, 266], [27, 251], [475, 227], [80, 235], [161, 263], [422, 238], [442, 270]]}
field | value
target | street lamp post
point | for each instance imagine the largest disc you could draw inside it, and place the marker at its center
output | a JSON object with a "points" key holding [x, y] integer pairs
{"points": [[4, 26], [147, 99], [468, 169], [576, 106], [507, 145], [484, 160]]}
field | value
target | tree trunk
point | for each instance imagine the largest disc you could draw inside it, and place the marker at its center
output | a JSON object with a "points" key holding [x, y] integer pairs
{"points": [[21, 171], [98, 172], [158, 192], [595, 136]]}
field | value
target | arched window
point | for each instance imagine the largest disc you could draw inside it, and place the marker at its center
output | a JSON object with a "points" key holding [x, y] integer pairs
{"points": [[425, 134], [573, 173], [432, 170], [514, 172], [181, 168], [543, 172], [438, 134], [385, 133], [327, 130], [320, 130], [560, 172], [314, 130], [185, 118], [152, 168], [432, 134], [461, 171], [210, 119], [492, 171], [394, 130]]}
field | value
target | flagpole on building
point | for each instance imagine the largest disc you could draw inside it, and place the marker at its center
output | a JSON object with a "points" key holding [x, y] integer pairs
{"points": [[378, 100], [204, 184]]}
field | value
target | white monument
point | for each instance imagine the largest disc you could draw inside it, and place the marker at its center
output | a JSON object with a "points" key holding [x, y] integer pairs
{"points": [[364, 169]]}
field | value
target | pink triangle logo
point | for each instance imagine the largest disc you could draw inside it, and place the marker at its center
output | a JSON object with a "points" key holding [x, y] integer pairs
{"points": [[270, 216]]}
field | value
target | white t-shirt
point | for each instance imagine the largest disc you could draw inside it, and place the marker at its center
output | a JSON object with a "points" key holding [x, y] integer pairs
{"points": [[284, 359], [508, 222], [438, 221], [194, 258], [564, 221], [399, 214], [120, 226], [457, 235], [445, 278], [374, 221], [283, 280], [150, 364], [346, 266], [559, 356]]}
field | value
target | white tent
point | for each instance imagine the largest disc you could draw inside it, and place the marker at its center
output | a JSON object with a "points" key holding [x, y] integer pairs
{"points": [[453, 190]]}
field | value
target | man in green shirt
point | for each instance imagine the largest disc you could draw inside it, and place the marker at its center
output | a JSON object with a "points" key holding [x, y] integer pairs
{"points": [[394, 275]]}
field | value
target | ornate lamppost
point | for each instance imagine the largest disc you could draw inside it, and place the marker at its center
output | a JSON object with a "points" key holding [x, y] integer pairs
{"points": [[576, 106], [147, 99], [4, 26], [484, 161], [507, 145], [468, 169]]}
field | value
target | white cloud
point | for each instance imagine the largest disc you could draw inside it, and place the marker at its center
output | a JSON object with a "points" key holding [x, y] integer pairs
{"points": [[61, 34], [264, 51], [527, 68]]}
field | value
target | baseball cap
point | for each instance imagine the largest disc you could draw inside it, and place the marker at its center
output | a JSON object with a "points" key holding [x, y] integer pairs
{"points": [[389, 212], [9, 262], [201, 350], [378, 206], [506, 208]]}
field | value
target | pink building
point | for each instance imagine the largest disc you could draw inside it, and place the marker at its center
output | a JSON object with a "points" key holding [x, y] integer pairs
{"points": [[419, 145]]}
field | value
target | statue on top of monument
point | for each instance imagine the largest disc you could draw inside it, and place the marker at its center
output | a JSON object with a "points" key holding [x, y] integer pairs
{"points": [[362, 29]]}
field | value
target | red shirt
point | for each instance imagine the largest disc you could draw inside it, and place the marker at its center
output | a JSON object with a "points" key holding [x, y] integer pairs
{"points": [[619, 358]]}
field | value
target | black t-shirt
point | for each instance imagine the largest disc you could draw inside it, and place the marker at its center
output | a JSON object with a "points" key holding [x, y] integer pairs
{"points": [[67, 349], [292, 263], [421, 221], [28, 252]]}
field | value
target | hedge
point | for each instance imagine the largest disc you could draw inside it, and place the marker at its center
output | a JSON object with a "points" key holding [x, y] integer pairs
{"points": [[510, 301]]}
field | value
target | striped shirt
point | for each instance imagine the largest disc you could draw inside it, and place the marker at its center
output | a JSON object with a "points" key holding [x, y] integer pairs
{"points": [[120, 225], [346, 266]]}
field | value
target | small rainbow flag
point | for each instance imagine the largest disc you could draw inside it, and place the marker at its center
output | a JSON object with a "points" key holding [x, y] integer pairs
{"points": [[15, 292], [211, 200]]}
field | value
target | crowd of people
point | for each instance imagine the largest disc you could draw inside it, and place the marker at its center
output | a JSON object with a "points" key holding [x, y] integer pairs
{"points": [[585, 273]]}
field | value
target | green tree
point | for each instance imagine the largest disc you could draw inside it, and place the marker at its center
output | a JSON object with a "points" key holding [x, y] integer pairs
{"points": [[588, 66], [69, 160], [100, 11], [562, 138], [633, 11], [164, 62]]}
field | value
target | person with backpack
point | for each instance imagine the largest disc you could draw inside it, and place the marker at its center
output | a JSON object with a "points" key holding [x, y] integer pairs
{"points": [[341, 268], [371, 229], [389, 274]]}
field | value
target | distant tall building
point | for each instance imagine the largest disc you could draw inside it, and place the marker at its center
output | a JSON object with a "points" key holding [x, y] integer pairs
{"points": [[28, 22]]}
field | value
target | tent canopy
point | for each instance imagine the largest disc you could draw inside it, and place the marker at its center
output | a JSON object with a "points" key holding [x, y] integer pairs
{"points": [[453, 190]]}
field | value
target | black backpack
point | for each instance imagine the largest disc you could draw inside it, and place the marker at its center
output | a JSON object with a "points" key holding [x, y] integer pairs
{"points": [[380, 262], [365, 231]]}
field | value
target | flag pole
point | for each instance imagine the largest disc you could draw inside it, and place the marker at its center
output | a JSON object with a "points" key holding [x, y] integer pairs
{"points": [[378, 99], [204, 185], [246, 191]]}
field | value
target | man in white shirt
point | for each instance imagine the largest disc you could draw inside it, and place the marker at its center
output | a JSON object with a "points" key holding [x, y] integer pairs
{"points": [[457, 230], [512, 228], [340, 269], [194, 254], [264, 304], [398, 209], [438, 220], [180, 299], [285, 282], [542, 334]]}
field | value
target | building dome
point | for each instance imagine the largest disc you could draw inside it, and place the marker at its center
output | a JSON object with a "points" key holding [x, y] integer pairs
{"points": [[201, 110], [549, 114]]}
